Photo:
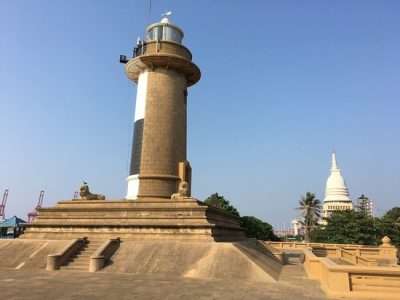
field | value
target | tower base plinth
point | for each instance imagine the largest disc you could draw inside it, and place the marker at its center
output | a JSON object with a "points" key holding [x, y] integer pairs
{"points": [[155, 218]]}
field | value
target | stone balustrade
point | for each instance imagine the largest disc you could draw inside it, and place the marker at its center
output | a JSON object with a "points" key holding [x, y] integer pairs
{"points": [[386, 253], [354, 258], [99, 259], [54, 261], [353, 281]]}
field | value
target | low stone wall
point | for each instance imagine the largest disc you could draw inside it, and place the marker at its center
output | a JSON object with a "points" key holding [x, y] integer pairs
{"points": [[100, 258], [277, 253], [354, 259], [366, 282], [386, 253], [262, 256], [54, 261], [366, 250]]}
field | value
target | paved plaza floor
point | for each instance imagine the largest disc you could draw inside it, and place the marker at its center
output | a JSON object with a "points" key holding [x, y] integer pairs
{"points": [[32, 285]]}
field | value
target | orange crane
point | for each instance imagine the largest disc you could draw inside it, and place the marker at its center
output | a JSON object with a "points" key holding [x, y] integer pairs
{"points": [[3, 205], [32, 215]]}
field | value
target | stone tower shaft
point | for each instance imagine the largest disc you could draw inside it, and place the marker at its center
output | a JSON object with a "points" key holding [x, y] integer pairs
{"points": [[163, 69]]}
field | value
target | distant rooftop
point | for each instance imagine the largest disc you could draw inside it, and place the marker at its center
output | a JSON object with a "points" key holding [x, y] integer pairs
{"points": [[12, 222]]}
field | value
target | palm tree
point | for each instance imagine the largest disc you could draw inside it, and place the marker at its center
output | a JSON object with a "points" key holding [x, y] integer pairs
{"points": [[310, 208]]}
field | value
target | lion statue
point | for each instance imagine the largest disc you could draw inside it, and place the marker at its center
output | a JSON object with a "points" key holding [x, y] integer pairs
{"points": [[183, 191], [85, 193]]}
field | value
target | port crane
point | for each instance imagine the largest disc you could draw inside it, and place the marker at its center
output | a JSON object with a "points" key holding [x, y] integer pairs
{"points": [[32, 215], [3, 205]]}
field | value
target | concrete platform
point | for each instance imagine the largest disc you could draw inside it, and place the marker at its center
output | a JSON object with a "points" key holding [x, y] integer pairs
{"points": [[173, 258], [18, 285], [27, 254], [155, 270], [206, 260]]}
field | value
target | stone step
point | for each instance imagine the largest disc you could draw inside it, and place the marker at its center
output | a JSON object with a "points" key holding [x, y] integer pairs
{"points": [[80, 267], [73, 262], [76, 263], [80, 261], [84, 253], [91, 247], [90, 250], [73, 259], [70, 268], [87, 250], [87, 259], [86, 263]]}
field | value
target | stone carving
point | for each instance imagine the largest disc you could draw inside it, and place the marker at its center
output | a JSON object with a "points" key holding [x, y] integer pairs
{"points": [[386, 242], [85, 193], [183, 191]]}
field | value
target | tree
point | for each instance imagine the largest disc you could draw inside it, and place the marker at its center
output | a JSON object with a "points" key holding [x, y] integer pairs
{"points": [[389, 225], [256, 228], [253, 227], [348, 227], [393, 214], [220, 202], [310, 208]]}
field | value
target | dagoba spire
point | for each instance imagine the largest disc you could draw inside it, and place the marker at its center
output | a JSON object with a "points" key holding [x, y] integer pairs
{"points": [[336, 192], [334, 162]]}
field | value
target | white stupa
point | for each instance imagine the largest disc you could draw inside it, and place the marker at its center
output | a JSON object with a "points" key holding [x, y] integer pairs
{"points": [[336, 193]]}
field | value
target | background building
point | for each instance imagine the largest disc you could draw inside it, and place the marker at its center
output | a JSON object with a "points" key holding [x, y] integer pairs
{"points": [[365, 205], [297, 227], [11, 228], [284, 232], [336, 192]]}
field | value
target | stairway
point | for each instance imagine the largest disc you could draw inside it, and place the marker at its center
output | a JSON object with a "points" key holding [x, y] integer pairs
{"points": [[80, 261], [294, 257]]}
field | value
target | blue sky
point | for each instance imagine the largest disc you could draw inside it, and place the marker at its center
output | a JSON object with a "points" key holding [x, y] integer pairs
{"points": [[283, 83]]}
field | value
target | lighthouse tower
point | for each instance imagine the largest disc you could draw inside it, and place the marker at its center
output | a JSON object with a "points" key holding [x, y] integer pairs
{"points": [[163, 69], [158, 204]]}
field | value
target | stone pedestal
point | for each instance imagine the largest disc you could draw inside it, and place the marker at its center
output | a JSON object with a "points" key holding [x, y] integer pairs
{"points": [[151, 218]]}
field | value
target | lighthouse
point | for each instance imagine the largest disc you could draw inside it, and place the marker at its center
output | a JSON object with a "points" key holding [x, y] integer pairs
{"points": [[162, 69], [158, 203]]}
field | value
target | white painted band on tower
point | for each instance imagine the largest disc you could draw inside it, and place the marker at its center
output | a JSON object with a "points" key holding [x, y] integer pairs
{"points": [[133, 187], [141, 95], [140, 108]]}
